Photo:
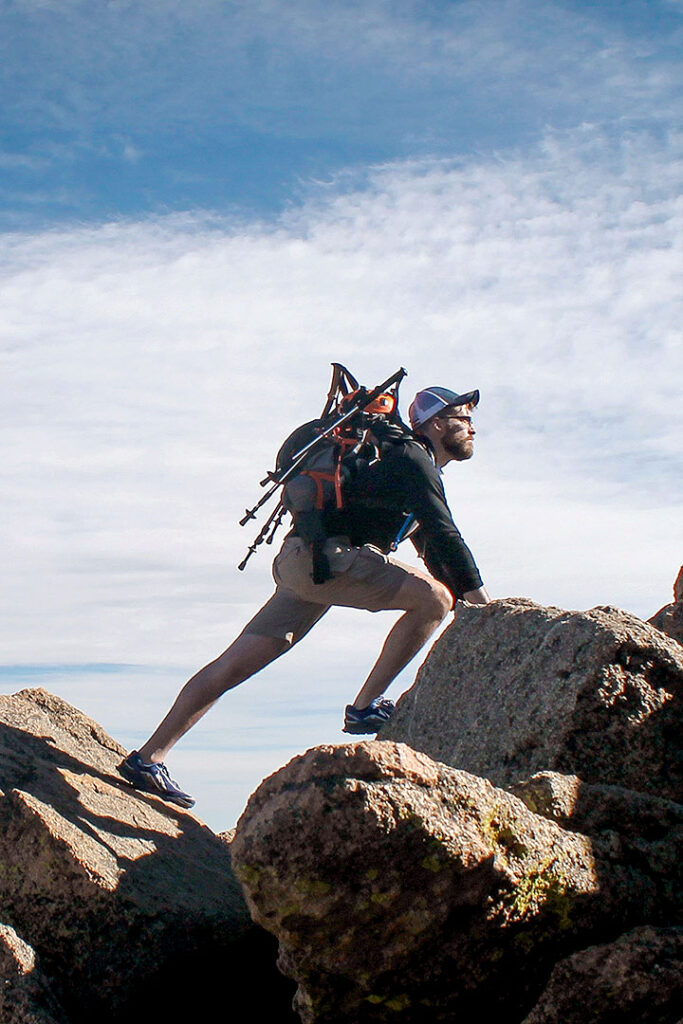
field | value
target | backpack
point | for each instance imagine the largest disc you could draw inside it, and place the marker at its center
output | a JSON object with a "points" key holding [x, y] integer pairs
{"points": [[319, 459]]}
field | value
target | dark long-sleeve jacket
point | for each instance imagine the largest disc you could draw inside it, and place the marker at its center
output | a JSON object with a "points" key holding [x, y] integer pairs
{"points": [[406, 481]]}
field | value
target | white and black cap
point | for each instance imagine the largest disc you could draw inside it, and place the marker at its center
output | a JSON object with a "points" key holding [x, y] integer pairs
{"points": [[431, 401]]}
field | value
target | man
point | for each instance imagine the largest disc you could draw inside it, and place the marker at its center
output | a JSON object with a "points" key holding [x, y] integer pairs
{"points": [[403, 487]]}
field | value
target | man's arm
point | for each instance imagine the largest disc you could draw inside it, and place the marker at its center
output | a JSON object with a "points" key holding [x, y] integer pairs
{"points": [[449, 561], [439, 542]]}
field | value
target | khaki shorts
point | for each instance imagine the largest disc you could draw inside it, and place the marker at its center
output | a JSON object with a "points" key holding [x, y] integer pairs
{"points": [[362, 578]]}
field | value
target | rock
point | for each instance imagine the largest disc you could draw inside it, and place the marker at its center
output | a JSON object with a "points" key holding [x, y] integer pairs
{"points": [[25, 996], [129, 902], [670, 618], [634, 829], [637, 979], [513, 688], [17, 959], [400, 888], [591, 809]]}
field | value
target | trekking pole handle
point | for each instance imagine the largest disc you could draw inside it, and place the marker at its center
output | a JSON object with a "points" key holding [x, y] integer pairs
{"points": [[381, 388], [243, 564]]}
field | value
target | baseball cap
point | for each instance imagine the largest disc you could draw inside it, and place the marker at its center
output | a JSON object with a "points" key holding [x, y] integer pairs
{"points": [[431, 401]]}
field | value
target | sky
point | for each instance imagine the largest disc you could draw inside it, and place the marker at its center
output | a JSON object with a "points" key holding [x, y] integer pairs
{"points": [[202, 206]]}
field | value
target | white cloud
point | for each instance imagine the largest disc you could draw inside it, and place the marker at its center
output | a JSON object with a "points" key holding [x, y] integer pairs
{"points": [[153, 368]]}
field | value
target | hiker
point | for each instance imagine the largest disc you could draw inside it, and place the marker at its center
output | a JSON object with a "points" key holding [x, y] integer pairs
{"points": [[400, 493]]}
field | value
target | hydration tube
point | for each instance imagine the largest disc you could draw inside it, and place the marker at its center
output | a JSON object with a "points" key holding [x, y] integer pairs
{"points": [[402, 533]]}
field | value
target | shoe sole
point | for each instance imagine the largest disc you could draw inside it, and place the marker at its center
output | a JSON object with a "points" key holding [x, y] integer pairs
{"points": [[361, 728]]}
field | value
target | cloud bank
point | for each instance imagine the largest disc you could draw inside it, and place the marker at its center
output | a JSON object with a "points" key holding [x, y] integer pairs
{"points": [[154, 367]]}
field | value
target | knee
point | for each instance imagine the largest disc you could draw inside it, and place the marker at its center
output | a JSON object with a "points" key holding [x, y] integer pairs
{"points": [[439, 602]]}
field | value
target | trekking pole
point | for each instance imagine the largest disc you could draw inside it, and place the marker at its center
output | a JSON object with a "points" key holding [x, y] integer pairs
{"points": [[276, 525], [250, 513], [277, 514]]}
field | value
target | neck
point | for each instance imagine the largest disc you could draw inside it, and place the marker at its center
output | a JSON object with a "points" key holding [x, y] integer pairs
{"points": [[441, 456]]}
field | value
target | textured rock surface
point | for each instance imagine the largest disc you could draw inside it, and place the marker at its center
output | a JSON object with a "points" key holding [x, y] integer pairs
{"points": [[120, 894], [589, 808], [400, 888], [670, 618], [514, 688], [25, 996], [636, 980], [638, 831]]}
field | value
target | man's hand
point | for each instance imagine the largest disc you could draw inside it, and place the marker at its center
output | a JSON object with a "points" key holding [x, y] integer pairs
{"points": [[479, 596]]}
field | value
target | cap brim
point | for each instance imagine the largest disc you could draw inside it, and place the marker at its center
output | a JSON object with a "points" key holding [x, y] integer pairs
{"points": [[469, 398]]}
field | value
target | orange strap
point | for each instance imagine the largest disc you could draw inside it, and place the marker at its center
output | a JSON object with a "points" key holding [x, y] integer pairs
{"points": [[318, 480], [332, 478]]}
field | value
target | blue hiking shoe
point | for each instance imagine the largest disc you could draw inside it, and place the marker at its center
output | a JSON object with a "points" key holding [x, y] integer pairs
{"points": [[369, 719], [153, 778]]}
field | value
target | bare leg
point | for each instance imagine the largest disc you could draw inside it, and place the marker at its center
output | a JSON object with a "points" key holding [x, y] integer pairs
{"points": [[246, 656], [427, 602]]}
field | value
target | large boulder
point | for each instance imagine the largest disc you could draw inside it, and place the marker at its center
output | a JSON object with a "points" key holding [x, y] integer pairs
{"points": [[670, 618], [129, 903], [401, 888], [513, 688]]}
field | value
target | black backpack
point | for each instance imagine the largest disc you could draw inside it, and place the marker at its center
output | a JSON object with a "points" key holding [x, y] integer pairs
{"points": [[318, 460]]}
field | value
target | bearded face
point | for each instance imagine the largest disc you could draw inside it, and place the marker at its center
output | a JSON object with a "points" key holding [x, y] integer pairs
{"points": [[457, 433]]}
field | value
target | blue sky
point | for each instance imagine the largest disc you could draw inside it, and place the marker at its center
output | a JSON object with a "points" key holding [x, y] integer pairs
{"points": [[129, 107], [205, 203]]}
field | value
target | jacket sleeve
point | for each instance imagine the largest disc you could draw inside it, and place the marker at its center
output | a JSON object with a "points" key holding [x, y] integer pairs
{"points": [[438, 542]]}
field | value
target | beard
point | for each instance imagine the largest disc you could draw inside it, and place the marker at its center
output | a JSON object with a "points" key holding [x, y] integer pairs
{"points": [[459, 449]]}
